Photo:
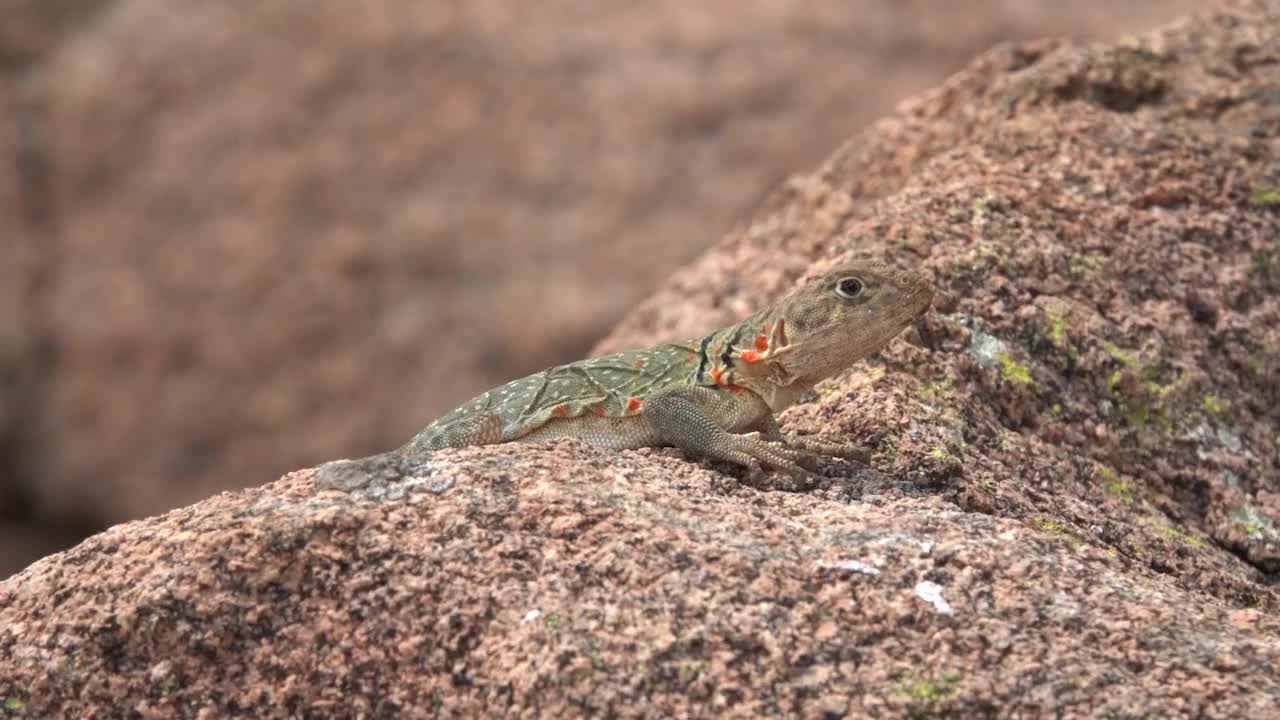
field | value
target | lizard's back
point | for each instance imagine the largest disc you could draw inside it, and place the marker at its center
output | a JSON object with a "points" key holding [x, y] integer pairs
{"points": [[567, 400]]}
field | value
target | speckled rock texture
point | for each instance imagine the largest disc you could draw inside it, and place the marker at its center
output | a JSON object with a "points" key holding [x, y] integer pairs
{"points": [[287, 231], [1072, 508]]}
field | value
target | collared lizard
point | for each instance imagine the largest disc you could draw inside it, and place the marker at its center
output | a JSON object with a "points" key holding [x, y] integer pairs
{"points": [[715, 396]]}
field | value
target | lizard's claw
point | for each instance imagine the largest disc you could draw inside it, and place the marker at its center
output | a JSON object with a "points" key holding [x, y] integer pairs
{"points": [[821, 446], [774, 454], [761, 479]]}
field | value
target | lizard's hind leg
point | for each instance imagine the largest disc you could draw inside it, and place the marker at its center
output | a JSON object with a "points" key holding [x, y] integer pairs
{"points": [[484, 428]]}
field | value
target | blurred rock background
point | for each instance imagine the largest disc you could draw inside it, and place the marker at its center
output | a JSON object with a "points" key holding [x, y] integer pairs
{"points": [[243, 237]]}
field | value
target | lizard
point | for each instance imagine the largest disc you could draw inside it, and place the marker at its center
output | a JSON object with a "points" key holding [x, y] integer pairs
{"points": [[716, 396]]}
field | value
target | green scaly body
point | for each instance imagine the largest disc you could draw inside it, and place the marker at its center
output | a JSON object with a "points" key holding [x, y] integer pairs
{"points": [[715, 396]]}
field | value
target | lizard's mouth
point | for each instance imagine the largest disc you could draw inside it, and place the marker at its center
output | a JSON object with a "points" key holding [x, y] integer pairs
{"points": [[917, 297]]}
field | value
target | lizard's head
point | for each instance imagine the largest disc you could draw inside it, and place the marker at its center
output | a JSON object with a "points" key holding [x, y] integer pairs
{"points": [[850, 312]]}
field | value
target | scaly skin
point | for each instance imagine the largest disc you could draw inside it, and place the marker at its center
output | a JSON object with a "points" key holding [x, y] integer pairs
{"points": [[715, 396]]}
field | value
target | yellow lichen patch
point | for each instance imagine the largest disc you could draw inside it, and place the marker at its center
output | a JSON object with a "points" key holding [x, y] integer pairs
{"points": [[1058, 331], [1013, 371], [936, 389], [1119, 355], [1084, 266], [980, 220], [1141, 400], [1055, 527], [1058, 328], [689, 670], [1115, 486], [1214, 405], [929, 695], [1265, 196], [1050, 525], [950, 457], [1175, 534]]}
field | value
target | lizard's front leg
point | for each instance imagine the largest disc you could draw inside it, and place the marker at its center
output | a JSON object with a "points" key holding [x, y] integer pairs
{"points": [[770, 430], [696, 419]]}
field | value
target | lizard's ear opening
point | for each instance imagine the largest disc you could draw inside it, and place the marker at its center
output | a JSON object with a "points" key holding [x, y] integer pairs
{"points": [[850, 288]]}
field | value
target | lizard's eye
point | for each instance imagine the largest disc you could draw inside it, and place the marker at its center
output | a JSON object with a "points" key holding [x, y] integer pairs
{"points": [[849, 288]]}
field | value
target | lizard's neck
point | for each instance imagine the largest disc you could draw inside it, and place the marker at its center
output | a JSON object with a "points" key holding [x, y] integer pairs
{"points": [[777, 397], [747, 355]]}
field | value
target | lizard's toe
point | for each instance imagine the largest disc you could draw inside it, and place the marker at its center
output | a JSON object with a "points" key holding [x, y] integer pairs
{"points": [[777, 454], [821, 446]]}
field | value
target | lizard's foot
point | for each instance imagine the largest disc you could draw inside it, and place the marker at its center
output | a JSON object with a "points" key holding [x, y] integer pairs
{"points": [[751, 449]]}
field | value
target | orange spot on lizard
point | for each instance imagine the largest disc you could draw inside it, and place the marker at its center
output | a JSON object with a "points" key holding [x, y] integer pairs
{"points": [[597, 410], [633, 404], [716, 374], [560, 410], [762, 343], [750, 356]]}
